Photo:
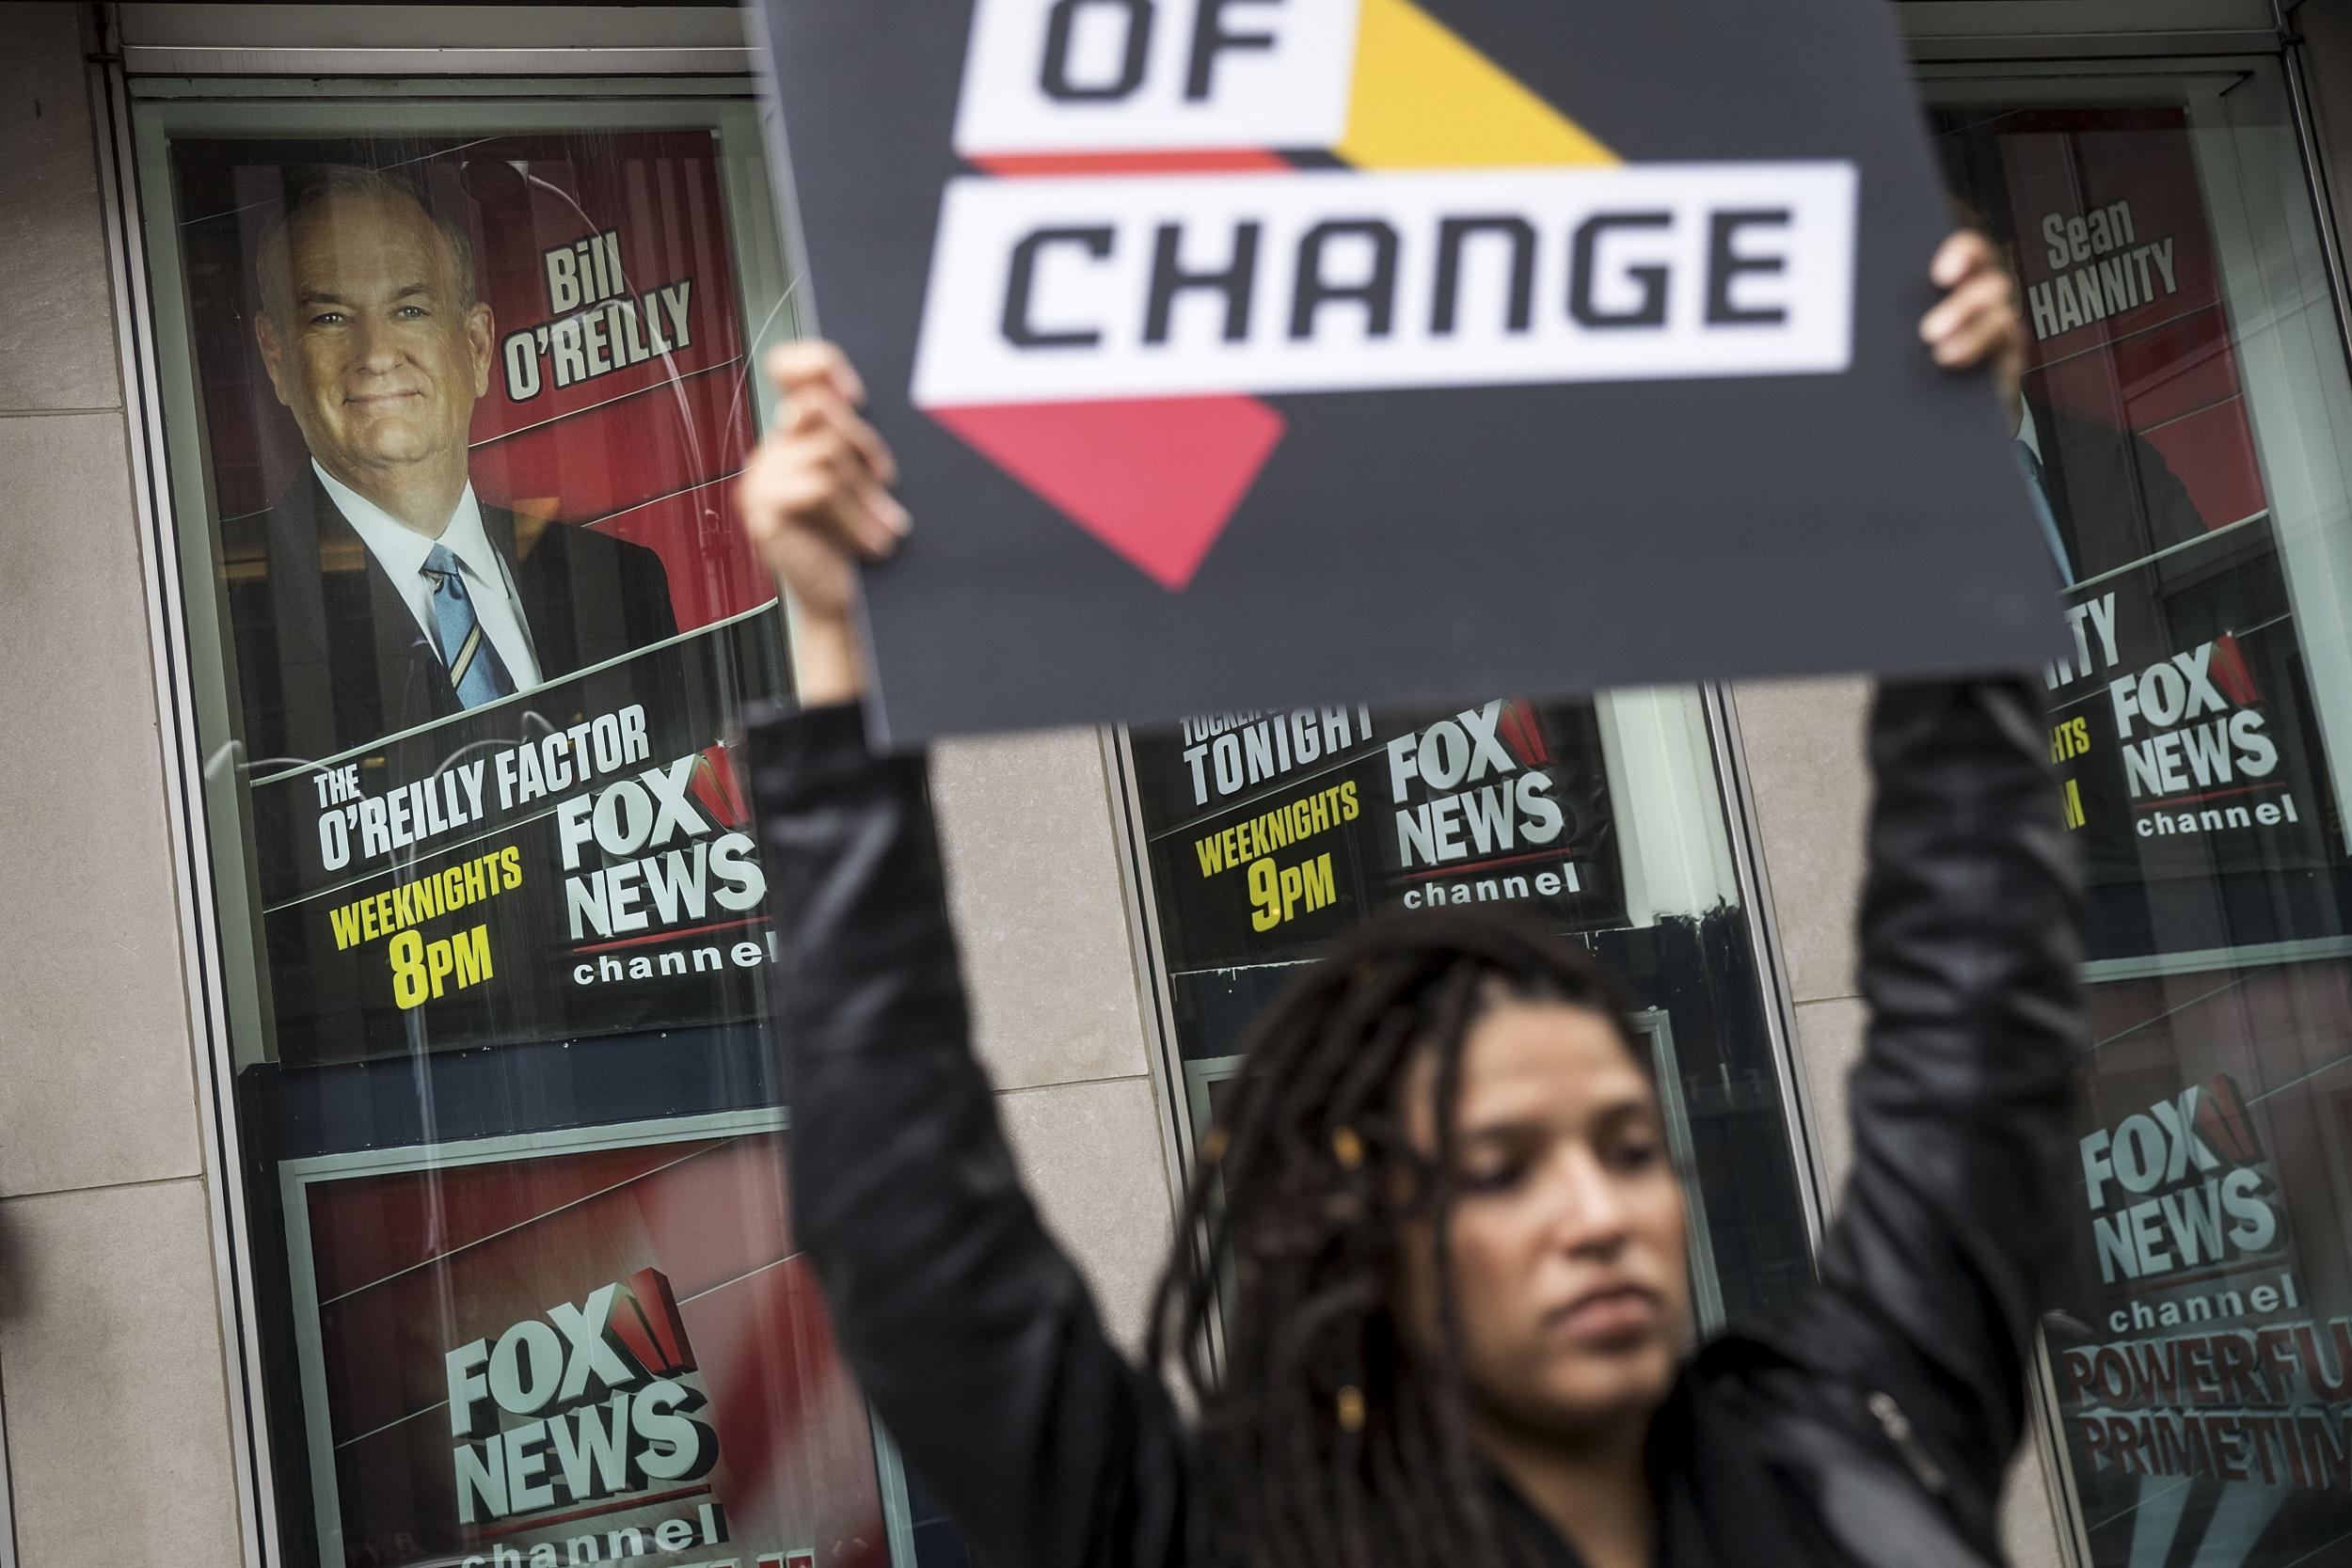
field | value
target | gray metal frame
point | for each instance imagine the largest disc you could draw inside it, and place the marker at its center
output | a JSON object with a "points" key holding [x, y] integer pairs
{"points": [[7, 1490], [1803, 1122], [1171, 1076], [2070, 29], [431, 40], [2307, 134]]}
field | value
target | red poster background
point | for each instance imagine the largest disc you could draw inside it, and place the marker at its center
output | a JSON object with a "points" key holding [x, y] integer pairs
{"points": [[2163, 369], [408, 1266]]}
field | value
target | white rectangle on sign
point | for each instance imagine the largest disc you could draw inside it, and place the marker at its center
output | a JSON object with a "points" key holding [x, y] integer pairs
{"points": [[1073, 289], [1162, 75]]}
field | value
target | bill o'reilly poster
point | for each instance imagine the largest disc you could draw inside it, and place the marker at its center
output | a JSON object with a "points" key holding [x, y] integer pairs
{"points": [[470, 408]]}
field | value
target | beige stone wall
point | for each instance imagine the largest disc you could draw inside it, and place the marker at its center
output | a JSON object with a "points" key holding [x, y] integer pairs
{"points": [[1811, 787], [1040, 907], [110, 1340]]}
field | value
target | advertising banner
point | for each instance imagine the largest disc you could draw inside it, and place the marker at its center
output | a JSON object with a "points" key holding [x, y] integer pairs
{"points": [[1272, 832], [1246, 352], [470, 410], [600, 1349]]}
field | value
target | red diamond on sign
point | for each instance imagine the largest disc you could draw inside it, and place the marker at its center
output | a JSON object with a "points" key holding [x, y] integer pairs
{"points": [[1155, 479]]}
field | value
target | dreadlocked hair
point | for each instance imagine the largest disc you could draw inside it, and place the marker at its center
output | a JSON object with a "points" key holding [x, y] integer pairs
{"points": [[1329, 1437]]}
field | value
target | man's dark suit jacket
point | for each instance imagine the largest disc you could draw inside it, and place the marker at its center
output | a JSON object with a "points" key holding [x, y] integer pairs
{"points": [[329, 657], [2116, 498]]}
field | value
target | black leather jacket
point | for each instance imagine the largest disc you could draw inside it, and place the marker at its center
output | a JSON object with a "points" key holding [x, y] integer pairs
{"points": [[1870, 1424]]}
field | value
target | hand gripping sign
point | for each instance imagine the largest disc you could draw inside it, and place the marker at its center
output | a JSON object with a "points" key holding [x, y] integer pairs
{"points": [[1252, 352]]}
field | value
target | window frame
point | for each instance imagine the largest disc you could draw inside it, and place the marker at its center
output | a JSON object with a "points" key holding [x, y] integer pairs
{"points": [[212, 53], [1991, 39]]}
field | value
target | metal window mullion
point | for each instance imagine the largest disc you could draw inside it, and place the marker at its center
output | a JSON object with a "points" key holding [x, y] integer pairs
{"points": [[2076, 29]]}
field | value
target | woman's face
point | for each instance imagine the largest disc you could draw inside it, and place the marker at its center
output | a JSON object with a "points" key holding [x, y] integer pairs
{"points": [[1566, 1236]]}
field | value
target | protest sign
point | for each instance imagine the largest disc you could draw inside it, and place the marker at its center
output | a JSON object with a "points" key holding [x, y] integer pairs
{"points": [[1257, 353]]}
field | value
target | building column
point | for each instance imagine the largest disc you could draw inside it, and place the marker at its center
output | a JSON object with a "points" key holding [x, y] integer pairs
{"points": [[113, 1384]]}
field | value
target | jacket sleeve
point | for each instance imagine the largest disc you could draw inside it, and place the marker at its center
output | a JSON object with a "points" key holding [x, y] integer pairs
{"points": [[1946, 1239], [652, 613], [969, 1329]]}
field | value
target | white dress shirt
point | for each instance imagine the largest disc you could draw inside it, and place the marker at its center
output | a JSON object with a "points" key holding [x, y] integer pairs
{"points": [[401, 551], [2029, 437]]}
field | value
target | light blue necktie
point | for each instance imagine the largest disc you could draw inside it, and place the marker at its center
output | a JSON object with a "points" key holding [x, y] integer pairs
{"points": [[474, 667], [2037, 483]]}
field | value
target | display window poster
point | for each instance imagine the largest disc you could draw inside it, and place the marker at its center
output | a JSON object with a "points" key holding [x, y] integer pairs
{"points": [[2202, 1360], [604, 1347], [2199, 1357], [469, 407], [2182, 722], [1271, 832]]}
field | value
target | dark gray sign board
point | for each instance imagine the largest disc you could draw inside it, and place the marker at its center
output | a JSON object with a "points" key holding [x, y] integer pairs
{"points": [[1243, 354]]}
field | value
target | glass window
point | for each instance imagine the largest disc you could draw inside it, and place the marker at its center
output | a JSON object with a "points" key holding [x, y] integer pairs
{"points": [[2188, 421], [455, 376], [1266, 835]]}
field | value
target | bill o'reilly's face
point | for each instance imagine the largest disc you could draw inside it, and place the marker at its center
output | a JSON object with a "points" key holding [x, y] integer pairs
{"points": [[371, 343]]}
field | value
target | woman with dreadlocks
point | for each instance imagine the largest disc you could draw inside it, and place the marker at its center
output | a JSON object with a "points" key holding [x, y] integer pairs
{"points": [[1446, 1253]]}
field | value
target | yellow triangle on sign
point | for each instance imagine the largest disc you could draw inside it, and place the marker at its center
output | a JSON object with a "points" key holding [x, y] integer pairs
{"points": [[1424, 99]]}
